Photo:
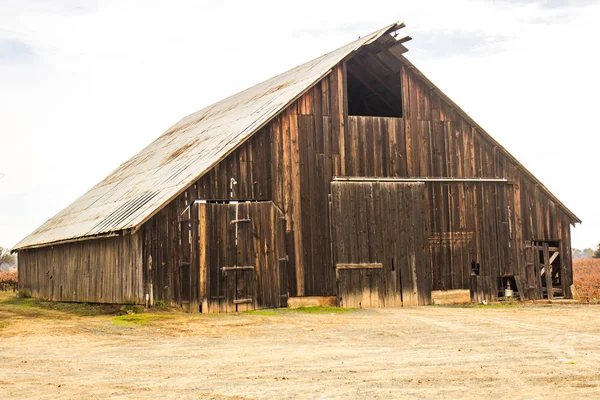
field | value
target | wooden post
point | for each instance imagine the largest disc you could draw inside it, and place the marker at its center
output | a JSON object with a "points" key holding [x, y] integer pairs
{"points": [[538, 271], [194, 261], [548, 267], [200, 248], [296, 205]]}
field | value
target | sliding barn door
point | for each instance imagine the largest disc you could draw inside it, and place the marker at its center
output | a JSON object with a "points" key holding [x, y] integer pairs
{"points": [[242, 260], [380, 244]]}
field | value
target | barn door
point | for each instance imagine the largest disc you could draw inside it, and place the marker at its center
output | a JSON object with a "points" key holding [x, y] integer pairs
{"points": [[242, 256], [240, 274], [380, 244]]}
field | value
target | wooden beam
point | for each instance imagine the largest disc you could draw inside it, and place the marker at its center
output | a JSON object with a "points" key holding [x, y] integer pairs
{"points": [[239, 221], [398, 41], [237, 268], [200, 247], [541, 248], [393, 69], [359, 266], [553, 257], [548, 273]]}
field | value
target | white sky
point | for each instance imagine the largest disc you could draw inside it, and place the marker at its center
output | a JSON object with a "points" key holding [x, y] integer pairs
{"points": [[86, 85]]}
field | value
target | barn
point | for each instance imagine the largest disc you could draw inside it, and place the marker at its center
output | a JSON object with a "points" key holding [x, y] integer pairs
{"points": [[350, 176]]}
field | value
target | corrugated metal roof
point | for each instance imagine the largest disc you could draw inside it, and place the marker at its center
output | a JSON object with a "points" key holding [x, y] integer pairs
{"points": [[185, 152]]}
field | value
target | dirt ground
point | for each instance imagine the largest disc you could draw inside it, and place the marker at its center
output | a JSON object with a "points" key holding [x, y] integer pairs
{"points": [[531, 351]]}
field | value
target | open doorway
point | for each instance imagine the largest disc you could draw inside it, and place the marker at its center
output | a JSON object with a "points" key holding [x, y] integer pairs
{"points": [[507, 288], [549, 271]]}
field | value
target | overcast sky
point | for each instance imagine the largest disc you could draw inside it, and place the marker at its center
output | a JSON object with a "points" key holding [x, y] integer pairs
{"points": [[84, 85]]}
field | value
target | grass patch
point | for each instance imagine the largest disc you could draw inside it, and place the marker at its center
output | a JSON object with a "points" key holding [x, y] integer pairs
{"points": [[20, 301], [323, 310], [80, 309], [304, 310], [161, 305], [492, 305], [496, 305], [138, 319], [35, 307], [263, 312]]}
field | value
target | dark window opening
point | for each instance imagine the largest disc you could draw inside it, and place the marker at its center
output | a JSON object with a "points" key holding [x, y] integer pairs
{"points": [[475, 268], [374, 89], [507, 285]]}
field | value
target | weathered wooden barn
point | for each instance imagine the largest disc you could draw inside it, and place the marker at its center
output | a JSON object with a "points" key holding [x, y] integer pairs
{"points": [[350, 176]]}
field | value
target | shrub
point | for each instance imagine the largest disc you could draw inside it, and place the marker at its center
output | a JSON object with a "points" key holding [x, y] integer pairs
{"points": [[586, 276], [9, 277], [160, 305], [9, 280]]}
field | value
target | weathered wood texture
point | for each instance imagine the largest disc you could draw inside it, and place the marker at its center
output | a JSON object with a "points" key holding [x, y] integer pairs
{"points": [[107, 270], [380, 244], [485, 223], [292, 160], [244, 256]]}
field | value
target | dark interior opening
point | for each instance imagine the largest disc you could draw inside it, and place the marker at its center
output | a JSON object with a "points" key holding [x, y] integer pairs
{"points": [[555, 266], [475, 267], [506, 282], [374, 88]]}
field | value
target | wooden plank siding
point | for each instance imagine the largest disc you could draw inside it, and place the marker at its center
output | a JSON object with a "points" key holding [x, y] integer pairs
{"points": [[289, 162], [107, 270], [243, 258], [292, 160], [380, 244]]}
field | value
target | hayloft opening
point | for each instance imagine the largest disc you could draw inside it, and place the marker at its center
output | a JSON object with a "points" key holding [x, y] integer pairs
{"points": [[374, 89]]}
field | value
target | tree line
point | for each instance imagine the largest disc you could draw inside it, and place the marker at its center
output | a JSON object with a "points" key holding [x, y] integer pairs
{"points": [[579, 254]]}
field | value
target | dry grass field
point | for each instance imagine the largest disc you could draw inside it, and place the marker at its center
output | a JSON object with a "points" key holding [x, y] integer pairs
{"points": [[8, 280], [9, 276], [54, 350], [586, 276]]}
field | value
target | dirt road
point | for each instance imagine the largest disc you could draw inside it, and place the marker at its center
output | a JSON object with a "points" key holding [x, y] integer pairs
{"points": [[421, 352]]}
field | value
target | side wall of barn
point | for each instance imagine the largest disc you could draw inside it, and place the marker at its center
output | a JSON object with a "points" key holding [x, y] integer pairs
{"points": [[106, 270]]}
